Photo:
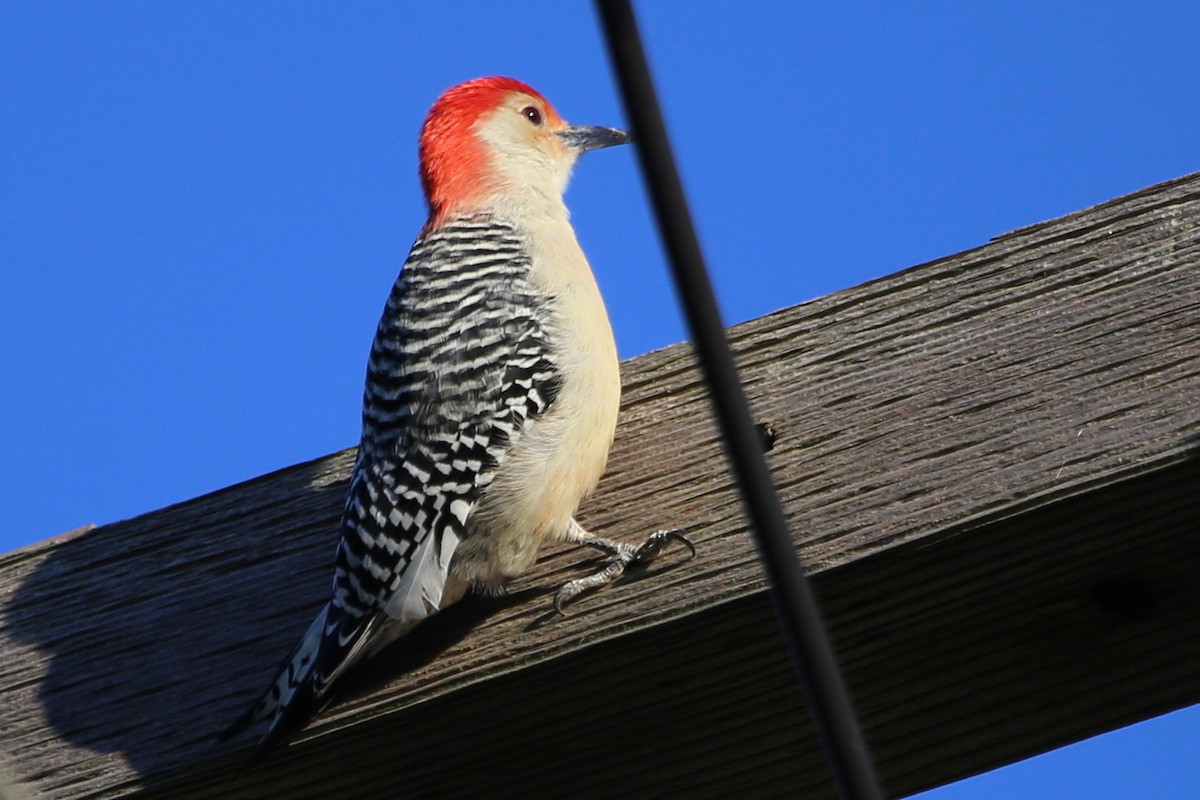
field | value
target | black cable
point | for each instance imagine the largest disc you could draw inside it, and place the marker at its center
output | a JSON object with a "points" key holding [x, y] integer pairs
{"points": [[792, 596]]}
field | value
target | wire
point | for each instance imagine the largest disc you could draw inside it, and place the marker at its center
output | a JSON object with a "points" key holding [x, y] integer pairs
{"points": [[790, 592]]}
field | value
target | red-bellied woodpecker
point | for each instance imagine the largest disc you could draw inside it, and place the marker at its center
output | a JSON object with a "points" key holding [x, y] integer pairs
{"points": [[491, 394]]}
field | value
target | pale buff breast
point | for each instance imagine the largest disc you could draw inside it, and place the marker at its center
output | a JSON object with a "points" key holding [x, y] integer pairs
{"points": [[559, 457]]}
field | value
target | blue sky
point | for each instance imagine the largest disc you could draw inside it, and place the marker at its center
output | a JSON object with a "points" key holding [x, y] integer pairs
{"points": [[204, 204]]}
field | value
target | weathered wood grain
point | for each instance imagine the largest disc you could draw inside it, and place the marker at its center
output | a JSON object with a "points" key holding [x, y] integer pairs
{"points": [[990, 460]]}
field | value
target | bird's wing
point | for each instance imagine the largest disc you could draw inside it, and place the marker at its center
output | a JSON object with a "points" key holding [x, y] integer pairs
{"points": [[460, 364]]}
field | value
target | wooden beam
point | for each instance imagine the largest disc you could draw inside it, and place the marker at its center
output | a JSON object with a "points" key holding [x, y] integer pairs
{"points": [[989, 460]]}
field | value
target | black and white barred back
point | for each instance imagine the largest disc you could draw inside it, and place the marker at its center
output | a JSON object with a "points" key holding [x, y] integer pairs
{"points": [[460, 363], [461, 360]]}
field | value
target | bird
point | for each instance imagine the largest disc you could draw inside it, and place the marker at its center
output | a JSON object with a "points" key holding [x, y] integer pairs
{"points": [[490, 400]]}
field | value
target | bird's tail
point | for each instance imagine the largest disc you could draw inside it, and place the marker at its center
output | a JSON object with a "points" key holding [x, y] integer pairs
{"points": [[337, 640], [289, 700]]}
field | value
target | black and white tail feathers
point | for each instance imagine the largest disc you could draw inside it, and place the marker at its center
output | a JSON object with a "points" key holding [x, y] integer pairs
{"points": [[288, 701], [335, 642]]}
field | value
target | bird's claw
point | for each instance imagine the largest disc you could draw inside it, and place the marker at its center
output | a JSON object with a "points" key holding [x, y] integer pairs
{"points": [[654, 544], [623, 555]]}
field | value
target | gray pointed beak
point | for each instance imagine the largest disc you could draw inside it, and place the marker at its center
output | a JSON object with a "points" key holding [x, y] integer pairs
{"points": [[585, 137]]}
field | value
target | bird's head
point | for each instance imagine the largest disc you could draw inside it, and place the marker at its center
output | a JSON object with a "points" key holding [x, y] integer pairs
{"points": [[497, 144]]}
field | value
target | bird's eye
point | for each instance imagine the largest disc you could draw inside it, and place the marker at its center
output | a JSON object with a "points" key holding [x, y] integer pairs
{"points": [[532, 114]]}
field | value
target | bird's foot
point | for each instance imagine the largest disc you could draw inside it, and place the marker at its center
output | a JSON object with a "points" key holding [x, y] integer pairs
{"points": [[623, 556]]}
